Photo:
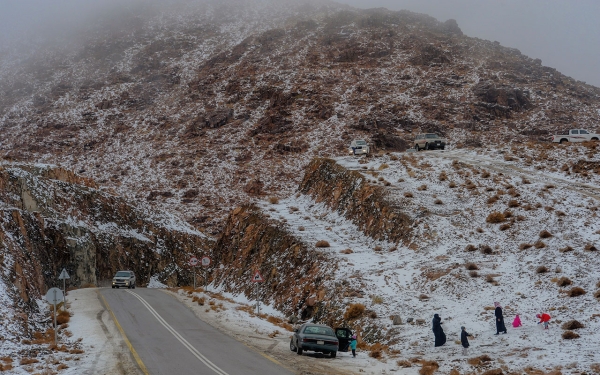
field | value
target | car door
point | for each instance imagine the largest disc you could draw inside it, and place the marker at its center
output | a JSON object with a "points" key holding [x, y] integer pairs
{"points": [[344, 336]]}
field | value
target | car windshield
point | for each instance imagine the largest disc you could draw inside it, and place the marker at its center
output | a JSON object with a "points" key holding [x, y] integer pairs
{"points": [[123, 274], [361, 143], [431, 136], [319, 330]]}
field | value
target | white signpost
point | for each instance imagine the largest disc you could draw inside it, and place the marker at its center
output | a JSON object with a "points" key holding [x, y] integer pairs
{"points": [[257, 278], [194, 262], [205, 261], [54, 296], [64, 276]]}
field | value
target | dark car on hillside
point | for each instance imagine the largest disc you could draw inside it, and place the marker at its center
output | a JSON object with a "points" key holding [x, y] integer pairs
{"points": [[316, 338]]}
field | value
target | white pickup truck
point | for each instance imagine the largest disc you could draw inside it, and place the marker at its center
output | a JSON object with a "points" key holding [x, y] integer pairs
{"points": [[575, 135]]}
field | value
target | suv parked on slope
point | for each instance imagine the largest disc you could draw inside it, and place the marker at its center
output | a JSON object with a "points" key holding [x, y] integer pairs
{"points": [[575, 135], [429, 141], [359, 147], [124, 279]]}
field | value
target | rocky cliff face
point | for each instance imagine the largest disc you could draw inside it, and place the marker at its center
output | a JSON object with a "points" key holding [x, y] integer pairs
{"points": [[349, 193], [296, 276], [52, 219]]}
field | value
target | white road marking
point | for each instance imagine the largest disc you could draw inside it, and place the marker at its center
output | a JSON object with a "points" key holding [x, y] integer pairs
{"points": [[185, 343]]}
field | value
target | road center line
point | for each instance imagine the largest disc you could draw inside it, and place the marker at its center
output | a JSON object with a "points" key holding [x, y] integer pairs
{"points": [[185, 343]]}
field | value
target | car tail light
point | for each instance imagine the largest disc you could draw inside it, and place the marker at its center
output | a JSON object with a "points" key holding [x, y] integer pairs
{"points": [[308, 340]]}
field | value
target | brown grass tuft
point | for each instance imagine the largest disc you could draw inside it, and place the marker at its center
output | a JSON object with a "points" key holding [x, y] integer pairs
{"points": [[597, 294], [473, 274], [545, 234], [541, 269], [571, 325], [322, 243], [347, 251], [576, 292], [525, 246], [496, 371], [564, 281], [422, 187], [590, 247], [566, 249], [63, 317], [354, 311], [485, 249], [376, 350], [478, 361], [493, 199], [471, 266], [404, 363], [470, 248], [513, 203], [505, 226], [428, 367], [490, 279], [569, 335], [408, 194], [442, 176], [273, 200], [27, 361], [452, 185], [438, 201], [539, 245], [495, 217]]}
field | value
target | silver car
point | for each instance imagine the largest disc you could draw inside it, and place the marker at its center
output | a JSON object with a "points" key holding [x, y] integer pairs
{"points": [[124, 279], [359, 147]]}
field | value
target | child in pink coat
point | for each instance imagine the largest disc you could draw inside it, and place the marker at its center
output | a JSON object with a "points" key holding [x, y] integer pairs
{"points": [[517, 322]]}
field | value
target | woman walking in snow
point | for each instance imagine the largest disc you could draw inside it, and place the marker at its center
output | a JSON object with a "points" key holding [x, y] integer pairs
{"points": [[500, 327], [464, 340], [440, 336]]}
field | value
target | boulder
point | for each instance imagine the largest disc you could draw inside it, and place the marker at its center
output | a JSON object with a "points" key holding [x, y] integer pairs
{"points": [[397, 320]]}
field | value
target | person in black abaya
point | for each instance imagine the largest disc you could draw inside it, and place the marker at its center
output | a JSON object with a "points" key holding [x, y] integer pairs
{"points": [[440, 336], [500, 327]]}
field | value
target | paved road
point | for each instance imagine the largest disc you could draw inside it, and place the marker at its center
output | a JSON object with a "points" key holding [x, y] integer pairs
{"points": [[170, 339]]}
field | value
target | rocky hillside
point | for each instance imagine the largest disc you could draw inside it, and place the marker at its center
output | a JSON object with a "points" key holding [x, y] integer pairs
{"points": [[52, 219], [199, 107]]}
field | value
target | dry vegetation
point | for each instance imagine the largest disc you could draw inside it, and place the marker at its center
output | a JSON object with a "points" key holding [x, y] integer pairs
{"points": [[569, 335], [564, 281], [322, 243], [576, 292], [495, 217], [354, 311], [571, 325]]}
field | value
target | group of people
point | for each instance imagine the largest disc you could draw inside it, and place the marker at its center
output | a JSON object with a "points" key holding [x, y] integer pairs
{"points": [[440, 336]]}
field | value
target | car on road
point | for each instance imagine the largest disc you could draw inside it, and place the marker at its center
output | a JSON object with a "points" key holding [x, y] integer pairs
{"points": [[429, 141], [124, 279], [359, 147], [575, 135], [316, 338]]}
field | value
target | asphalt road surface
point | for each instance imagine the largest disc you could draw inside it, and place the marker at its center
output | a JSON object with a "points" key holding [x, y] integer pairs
{"points": [[168, 338]]}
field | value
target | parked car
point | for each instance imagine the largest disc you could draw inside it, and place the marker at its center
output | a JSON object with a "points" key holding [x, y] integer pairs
{"points": [[124, 279], [316, 338], [575, 135], [359, 147], [429, 141]]}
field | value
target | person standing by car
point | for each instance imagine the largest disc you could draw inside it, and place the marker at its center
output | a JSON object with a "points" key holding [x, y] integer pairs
{"points": [[500, 327], [440, 336], [353, 346]]}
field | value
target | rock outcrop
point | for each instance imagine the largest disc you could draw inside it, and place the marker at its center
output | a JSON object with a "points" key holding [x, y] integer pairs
{"points": [[349, 193]]}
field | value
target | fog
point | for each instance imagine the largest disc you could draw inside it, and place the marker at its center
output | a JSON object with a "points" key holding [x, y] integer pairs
{"points": [[564, 34]]}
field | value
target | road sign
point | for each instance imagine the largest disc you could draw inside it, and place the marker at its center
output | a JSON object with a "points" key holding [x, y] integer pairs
{"points": [[54, 296], [193, 261], [257, 278], [205, 261], [64, 275]]}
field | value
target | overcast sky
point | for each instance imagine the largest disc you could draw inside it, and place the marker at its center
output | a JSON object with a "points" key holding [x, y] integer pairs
{"points": [[565, 34]]}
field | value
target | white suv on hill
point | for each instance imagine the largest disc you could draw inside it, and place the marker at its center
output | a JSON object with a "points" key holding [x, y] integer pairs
{"points": [[359, 147], [124, 279]]}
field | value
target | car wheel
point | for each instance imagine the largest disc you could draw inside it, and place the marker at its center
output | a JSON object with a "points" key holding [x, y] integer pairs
{"points": [[292, 346], [563, 141], [117, 287], [133, 286], [113, 287], [333, 354], [128, 286], [595, 139], [442, 147], [298, 350]]}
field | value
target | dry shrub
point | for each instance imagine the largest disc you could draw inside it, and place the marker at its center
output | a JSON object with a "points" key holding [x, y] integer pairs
{"points": [[62, 366], [598, 284], [322, 243], [470, 248], [496, 371], [301, 228], [27, 361], [347, 251], [478, 361], [376, 300], [354, 311], [438, 201], [566, 249], [63, 317], [452, 185], [571, 325], [383, 166], [408, 194], [485, 249], [472, 266], [576, 292], [560, 213], [404, 363], [490, 279], [564, 281], [569, 335], [423, 297], [473, 274], [485, 174], [545, 234], [495, 217], [428, 367], [442, 176], [479, 230], [513, 203], [274, 320], [422, 187], [525, 246], [376, 350], [541, 269], [595, 367], [505, 226], [539, 245], [493, 199], [273, 200], [590, 247], [521, 218], [597, 294], [512, 192]]}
